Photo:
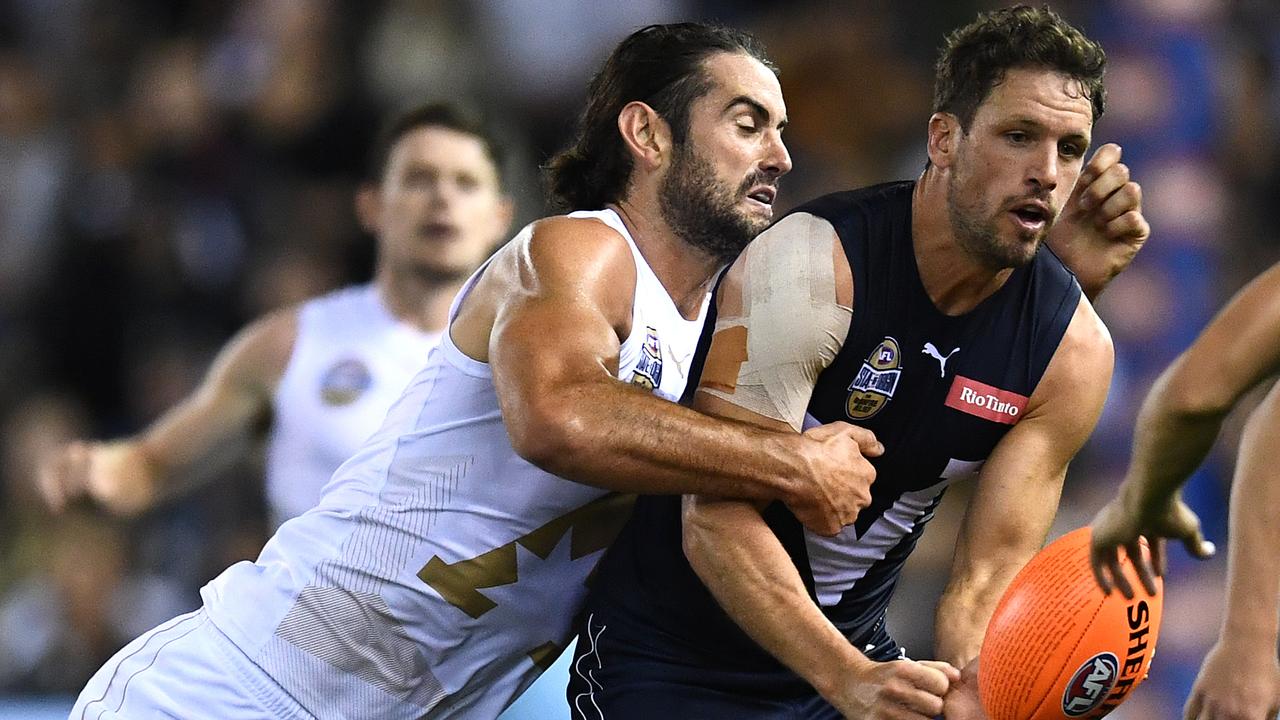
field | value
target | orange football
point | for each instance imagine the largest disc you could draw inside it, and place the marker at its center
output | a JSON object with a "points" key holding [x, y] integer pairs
{"points": [[1057, 648]]}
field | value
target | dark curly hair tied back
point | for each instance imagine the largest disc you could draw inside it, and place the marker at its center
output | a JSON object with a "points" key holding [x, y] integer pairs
{"points": [[660, 65]]}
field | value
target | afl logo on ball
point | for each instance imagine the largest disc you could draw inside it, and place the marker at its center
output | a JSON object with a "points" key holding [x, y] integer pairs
{"points": [[1090, 685], [876, 381], [345, 382]]}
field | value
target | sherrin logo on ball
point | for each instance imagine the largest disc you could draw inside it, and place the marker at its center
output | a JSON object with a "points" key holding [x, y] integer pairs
{"points": [[1090, 685]]}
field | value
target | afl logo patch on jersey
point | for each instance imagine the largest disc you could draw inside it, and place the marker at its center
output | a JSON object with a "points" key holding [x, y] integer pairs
{"points": [[876, 381], [345, 382], [648, 372]]}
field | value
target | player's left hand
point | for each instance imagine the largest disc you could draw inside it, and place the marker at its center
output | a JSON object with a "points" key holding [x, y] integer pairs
{"points": [[1101, 228], [962, 701]]}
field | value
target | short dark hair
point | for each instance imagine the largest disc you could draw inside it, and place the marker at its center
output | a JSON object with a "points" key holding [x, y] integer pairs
{"points": [[441, 115], [974, 58], [661, 65]]}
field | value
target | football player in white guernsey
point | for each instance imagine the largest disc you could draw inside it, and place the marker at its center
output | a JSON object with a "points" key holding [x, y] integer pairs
{"points": [[316, 379], [441, 569]]}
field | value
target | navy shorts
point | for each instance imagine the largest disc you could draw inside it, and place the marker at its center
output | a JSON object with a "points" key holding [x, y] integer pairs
{"points": [[624, 672]]}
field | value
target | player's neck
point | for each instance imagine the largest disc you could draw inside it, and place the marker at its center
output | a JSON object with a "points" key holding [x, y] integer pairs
{"points": [[416, 299], [954, 280], [686, 272]]}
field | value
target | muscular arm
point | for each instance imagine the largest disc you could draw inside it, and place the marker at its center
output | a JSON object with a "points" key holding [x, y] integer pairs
{"points": [[189, 441], [1018, 488], [1240, 677], [1253, 569], [554, 353], [1183, 412], [1179, 421]]}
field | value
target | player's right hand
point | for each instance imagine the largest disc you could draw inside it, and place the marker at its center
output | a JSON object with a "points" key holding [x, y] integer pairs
{"points": [[1122, 522], [115, 475], [897, 690], [1238, 681], [837, 485]]}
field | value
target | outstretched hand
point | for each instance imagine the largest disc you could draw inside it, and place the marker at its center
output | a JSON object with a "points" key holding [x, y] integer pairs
{"points": [[115, 475], [1121, 524]]}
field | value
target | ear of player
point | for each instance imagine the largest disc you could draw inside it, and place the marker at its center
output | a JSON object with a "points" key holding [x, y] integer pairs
{"points": [[1058, 648]]}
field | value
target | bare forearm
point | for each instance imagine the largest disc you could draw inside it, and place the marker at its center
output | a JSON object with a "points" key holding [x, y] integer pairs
{"points": [[229, 409], [963, 612], [1172, 438], [747, 570], [1253, 576], [613, 436], [195, 439]]}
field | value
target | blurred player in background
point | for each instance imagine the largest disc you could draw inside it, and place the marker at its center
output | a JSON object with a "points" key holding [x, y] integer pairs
{"points": [[1237, 352], [316, 380], [440, 571], [925, 312]]}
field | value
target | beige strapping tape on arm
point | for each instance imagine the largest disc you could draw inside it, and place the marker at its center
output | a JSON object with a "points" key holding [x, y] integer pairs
{"points": [[794, 325]]}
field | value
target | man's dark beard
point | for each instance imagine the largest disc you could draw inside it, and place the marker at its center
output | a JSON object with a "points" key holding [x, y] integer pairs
{"points": [[979, 237], [702, 211]]}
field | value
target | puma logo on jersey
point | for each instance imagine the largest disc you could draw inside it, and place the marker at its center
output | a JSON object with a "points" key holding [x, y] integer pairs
{"points": [[932, 351]]}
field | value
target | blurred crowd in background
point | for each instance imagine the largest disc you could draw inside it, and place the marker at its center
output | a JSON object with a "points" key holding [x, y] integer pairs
{"points": [[171, 169]]}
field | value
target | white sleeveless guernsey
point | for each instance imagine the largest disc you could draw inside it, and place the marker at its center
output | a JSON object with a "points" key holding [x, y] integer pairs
{"points": [[440, 572], [351, 360]]}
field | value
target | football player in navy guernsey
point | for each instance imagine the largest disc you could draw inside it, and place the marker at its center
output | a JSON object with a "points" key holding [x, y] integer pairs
{"points": [[927, 312]]}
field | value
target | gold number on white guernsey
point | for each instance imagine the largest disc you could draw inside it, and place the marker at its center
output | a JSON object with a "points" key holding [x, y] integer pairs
{"points": [[593, 527]]}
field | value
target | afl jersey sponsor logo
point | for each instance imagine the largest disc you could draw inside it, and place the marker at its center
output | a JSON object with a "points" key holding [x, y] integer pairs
{"points": [[345, 382], [1090, 685], [876, 380], [985, 401], [648, 372]]}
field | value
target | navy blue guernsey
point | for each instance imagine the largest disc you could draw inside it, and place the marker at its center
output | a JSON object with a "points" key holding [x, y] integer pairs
{"points": [[938, 391]]}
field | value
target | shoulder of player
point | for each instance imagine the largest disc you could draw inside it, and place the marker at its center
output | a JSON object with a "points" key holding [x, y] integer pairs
{"points": [[1082, 364], [587, 247], [573, 260], [794, 235], [256, 358], [797, 227]]}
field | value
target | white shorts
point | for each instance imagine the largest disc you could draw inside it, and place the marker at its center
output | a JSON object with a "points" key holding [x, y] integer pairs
{"points": [[185, 668]]}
